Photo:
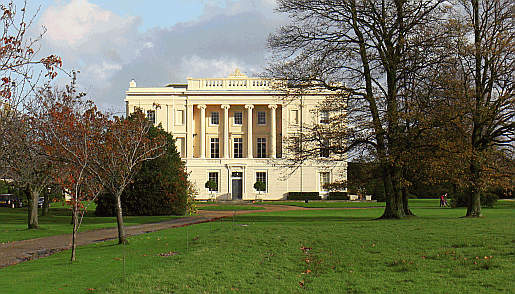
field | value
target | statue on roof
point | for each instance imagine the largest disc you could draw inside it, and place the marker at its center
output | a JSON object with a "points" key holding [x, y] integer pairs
{"points": [[237, 74]]}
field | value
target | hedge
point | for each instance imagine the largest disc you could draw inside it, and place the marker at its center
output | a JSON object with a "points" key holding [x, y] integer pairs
{"points": [[338, 196], [303, 196]]}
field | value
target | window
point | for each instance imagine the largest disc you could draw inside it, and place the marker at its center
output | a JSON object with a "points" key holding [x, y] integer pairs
{"points": [[179, 117], [294, 117], [238, 148], [261, 118], [324, 117], [261, 177], [325, 178], [261, 147], [215, 147], [179, 143], [324, 150], [215, 118], [238, 118], [151, 115], [213, 176]]}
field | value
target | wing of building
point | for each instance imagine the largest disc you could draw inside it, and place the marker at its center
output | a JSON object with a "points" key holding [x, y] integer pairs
{"points": [[231, 131]]}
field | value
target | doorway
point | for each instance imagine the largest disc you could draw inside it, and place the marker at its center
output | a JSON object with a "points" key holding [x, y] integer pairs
{"points": [[237, 185]]}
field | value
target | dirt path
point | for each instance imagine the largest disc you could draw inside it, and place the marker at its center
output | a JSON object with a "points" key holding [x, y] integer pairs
{"points": [[19, 251]]}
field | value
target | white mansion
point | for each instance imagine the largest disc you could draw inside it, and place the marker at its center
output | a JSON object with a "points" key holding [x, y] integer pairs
{"points": [[230, 130]]}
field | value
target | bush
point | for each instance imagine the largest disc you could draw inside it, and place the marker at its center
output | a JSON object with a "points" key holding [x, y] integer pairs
{"points": [[303, 196], [105, 205], [461, 199], [458, 200], [489, 199], [338, 196]]}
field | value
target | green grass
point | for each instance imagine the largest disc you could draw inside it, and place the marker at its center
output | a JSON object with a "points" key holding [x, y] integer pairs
{"points": [[345, 251], [344, 204], [226, 207], [13, 222]]}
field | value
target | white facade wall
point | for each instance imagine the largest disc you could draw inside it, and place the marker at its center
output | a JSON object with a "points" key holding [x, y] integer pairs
{"points": [[179, 109]]}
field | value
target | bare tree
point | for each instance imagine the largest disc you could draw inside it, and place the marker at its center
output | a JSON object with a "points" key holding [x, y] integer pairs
{"points": [[18, 68], [124, 146], [26, 162], [368, 53], [484, 80]]}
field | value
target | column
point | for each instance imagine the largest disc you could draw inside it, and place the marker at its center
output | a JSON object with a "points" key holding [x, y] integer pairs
{"points": [[249, 130], [202, 130], [273, 130], [189, 131], [226, 130]]}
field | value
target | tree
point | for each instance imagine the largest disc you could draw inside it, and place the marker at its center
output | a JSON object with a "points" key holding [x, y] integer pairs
{"points": [[73, 129], [212, 186], [260, 186], [18, 75], [368, 53], [123, 147], [160, 187], [486, 63], [27, 163]]}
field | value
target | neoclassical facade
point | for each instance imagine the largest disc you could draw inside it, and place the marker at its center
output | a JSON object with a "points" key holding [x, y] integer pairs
{"points": [[230, 131]]}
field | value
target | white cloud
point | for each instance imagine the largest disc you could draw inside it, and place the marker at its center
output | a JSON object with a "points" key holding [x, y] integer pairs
{"points": [[85, 27], [102, 72], [109, 50], [197, 67]]}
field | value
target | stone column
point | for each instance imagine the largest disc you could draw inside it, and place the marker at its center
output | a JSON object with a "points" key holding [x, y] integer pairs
{"points": [[249, 130], [202, 130], [273, 130], [226, 130], [189, 131]]}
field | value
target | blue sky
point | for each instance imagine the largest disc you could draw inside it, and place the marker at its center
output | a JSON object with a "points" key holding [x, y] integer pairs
{"points": [[155, 42]]}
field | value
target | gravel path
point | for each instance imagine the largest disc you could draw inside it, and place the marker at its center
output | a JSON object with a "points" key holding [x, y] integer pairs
{"points": [[19, 251]]}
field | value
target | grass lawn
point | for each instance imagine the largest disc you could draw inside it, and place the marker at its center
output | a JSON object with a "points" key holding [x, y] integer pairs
{"points": [[13, 222], [313, 251]]}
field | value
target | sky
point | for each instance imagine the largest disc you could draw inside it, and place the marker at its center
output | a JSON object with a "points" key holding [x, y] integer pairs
{"points": [[154, 42]]}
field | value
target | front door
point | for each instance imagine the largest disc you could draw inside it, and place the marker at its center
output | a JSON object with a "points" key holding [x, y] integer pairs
{"points": [[237, 190], [237, 185]]}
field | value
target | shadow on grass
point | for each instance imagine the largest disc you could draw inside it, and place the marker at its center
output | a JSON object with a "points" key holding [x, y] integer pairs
{"points": [[299, 219]]}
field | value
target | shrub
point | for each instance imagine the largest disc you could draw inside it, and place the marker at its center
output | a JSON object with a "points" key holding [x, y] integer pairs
{"points": [[303, 196], [338, 196], [105, 205], [489, 199], [460, 199]]}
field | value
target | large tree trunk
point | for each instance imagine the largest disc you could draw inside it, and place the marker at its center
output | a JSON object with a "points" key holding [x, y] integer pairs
{"points": [[119, 219], [405, 203], [474, 197], [32, 196], [392, 202]]}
